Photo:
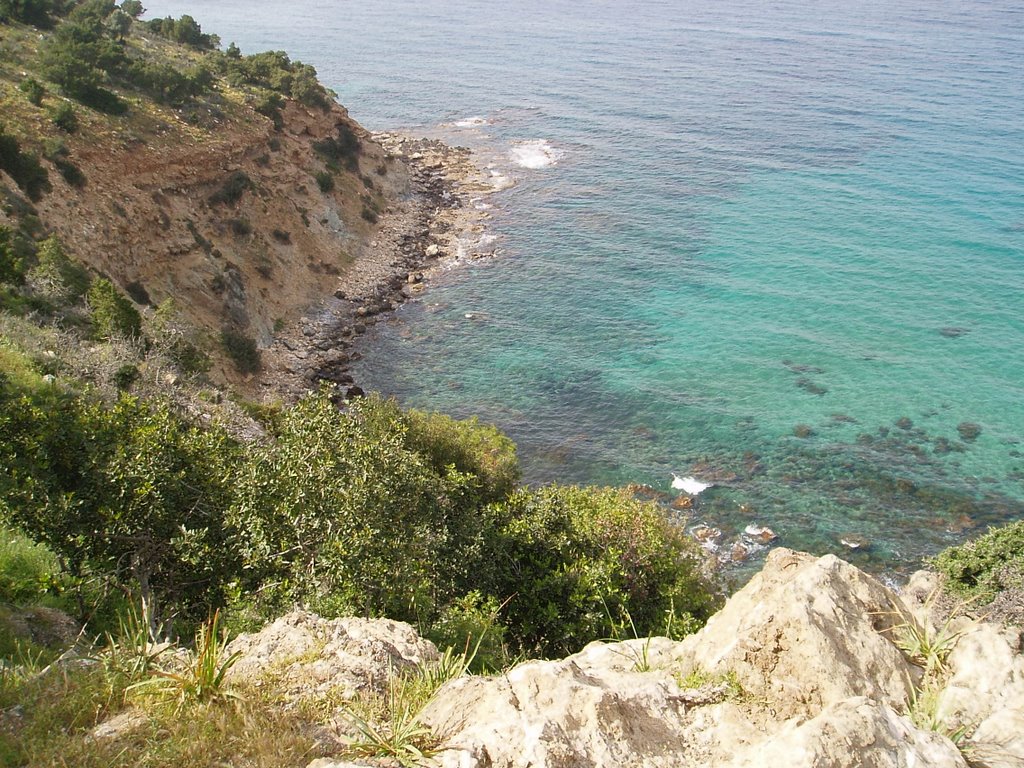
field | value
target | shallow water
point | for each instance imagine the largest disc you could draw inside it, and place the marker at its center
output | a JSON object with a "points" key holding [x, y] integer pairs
{"points": [[732, 224]]}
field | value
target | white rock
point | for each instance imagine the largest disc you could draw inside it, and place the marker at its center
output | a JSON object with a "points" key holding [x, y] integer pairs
{"points": [[310, 655]]}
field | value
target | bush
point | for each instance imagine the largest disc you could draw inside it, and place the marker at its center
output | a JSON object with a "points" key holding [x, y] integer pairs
{"points": [[56, 276], [242, 350], [34, 12], [986, 566], [72, 173], [184, 30], [12, 267], [270, 104], [178, 340], [80, 54], [125, 376], [480, 451], [240, 227], [339, 506], [34, 90], [325, 180], [344, 147], [27, 570], [131, 492], [273, 70], [232, 190], [64, 117], [576, 563], [112, 314], [23, 167]]}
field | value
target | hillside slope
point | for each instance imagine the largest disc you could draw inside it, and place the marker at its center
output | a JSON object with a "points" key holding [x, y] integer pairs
{"points": [[244, 214]]}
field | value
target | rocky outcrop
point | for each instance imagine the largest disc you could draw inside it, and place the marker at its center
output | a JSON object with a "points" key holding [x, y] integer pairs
{"points": [[800, 668], [306, 656]]}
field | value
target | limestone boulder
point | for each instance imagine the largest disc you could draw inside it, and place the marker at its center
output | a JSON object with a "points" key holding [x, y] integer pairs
{"points": [[306, 655], [855, 733], [984, 693], [798, 669], [806, 633]]}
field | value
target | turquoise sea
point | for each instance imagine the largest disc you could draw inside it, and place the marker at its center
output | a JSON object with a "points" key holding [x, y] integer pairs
{"points": [[778, 245]]}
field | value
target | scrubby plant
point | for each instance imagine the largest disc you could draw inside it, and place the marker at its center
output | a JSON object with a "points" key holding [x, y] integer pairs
{"points": [[274, 71], [56, 276], [23, 167], [570, 558], [986, 566], [202, 676], [343, 148], [132, 493], [185, 30], [111, 312], [12, 266], [231, 191], [397, 736], [65, 118], [34, 12], [34, 90], [27, 570], [242, 350], [325, 180]]}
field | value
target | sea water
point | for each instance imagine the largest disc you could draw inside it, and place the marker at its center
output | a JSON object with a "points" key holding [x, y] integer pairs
{"points": [[778, 246]]}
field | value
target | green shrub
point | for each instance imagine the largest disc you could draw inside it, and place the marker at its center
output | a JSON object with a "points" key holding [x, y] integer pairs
{"points": [[274, 71], [34, 12], [64, 117], [80, 55], [133, 8], [325, 180], [72, 173], [471, 622], [34, 90], [56, 276], [987, 565], [111, 312], [480, 451], [132, 492], [270, 104], [27, 570], [242, 350], [240, 227], [184, 30], [343, 147], [232, 189], [125, 376], [23, 167], [340, 506], [573, 563], [12, 266]]}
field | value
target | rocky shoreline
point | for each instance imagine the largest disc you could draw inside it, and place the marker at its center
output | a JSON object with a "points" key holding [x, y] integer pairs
{"points": [[437, 222]]}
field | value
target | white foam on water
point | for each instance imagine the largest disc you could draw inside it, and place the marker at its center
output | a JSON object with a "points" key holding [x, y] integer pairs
{"points": [[500, 181], [471, 122], [534, 154], [691, 486]]}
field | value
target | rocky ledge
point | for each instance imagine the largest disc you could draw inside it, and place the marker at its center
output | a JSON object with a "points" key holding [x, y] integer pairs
{"points": [[813, 663]]}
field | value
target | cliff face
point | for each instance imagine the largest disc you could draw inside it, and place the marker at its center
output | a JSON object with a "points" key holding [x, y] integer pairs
{"points": [[813, 663], [227, 219], [243, 204]]}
